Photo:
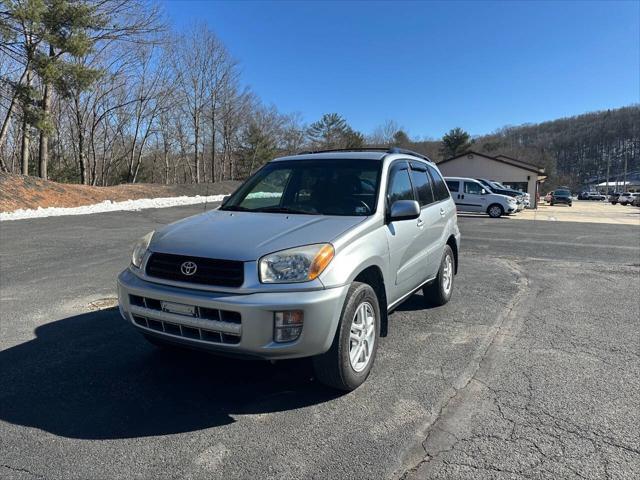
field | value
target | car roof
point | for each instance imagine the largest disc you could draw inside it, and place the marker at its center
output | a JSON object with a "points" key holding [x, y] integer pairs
{"points": [[367, 153], [461, 178]]}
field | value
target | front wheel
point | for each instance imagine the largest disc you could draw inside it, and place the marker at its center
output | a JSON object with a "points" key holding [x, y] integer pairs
{"points": [[496, 211], [438, 292], [346, 365]]}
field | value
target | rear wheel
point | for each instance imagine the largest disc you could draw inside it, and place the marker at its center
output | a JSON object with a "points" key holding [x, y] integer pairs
{"points": [[346, 365], [496, 211], [439, 291]]}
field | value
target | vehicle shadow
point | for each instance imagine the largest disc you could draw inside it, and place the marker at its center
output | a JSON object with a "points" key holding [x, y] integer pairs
{"points": [[92, 376]]}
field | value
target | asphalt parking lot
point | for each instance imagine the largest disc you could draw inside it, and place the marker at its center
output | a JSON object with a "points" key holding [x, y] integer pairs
{"points": [[531, 371]]}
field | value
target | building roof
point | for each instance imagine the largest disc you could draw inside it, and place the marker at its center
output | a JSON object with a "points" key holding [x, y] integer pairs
{"points": [[506, 157], [501, 159]]}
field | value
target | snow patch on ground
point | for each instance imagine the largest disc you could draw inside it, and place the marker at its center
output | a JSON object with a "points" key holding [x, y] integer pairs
{"points": [[109, 206]]}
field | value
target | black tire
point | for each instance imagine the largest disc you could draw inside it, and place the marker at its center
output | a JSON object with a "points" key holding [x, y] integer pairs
{"points": [[435, 294], [624, 204], [495, 210], [333, 368], [613, 203], [551, 203]]}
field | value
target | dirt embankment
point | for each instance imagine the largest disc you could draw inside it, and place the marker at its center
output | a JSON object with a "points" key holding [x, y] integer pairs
{"points": [[21, 192]]}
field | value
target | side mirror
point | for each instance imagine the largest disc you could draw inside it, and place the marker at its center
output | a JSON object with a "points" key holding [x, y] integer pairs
{"points": [[483, 192], [404, 210], [225, 199]]}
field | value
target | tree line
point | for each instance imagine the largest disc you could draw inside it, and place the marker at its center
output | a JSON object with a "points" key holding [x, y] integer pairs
{"points": [[102, 92]]}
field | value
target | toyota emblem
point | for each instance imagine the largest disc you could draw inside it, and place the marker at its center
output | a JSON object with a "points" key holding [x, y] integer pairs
{"points": [[188, 268]]}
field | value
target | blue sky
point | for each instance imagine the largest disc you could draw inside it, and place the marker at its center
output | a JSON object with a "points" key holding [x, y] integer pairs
{"points": [[431, 66]]}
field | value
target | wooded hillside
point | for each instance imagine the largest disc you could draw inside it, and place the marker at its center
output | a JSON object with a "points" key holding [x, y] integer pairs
{"points": [[577, 150], [101, 92]]}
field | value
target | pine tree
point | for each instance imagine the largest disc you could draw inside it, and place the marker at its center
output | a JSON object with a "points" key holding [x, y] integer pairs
{"points": [[454, 142], [332, 131], [51, 33]]}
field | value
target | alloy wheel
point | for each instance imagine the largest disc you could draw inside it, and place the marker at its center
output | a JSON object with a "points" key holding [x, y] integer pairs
{"points": [[362, 336]]}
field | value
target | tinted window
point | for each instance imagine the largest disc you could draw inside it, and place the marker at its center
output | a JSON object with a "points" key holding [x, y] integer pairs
{"points": [[399, 186], [423, 186], [453, 185], [473, 188], [440, 191]]}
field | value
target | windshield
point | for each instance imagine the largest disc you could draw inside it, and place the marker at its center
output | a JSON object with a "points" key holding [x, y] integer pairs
{"points": [[499, 185], [311, 187], [565, 193]]}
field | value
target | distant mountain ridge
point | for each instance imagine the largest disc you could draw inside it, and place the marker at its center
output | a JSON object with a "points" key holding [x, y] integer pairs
{"points": [[575, 151]]}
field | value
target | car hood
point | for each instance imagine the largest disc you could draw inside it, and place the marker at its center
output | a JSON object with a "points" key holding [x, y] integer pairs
{"points": [[247, 236]]}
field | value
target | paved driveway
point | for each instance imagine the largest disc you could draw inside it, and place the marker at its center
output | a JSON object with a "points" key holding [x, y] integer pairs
{"points": [[531, 370]]}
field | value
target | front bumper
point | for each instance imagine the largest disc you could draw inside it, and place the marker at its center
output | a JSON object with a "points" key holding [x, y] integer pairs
{"points": [[249, 331]]}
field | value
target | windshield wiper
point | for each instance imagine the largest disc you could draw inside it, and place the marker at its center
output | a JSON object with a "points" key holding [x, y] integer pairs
{"points": [[236, 208], [284, 210]]}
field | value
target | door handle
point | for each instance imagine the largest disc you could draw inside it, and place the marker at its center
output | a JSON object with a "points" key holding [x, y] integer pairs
{"points": [[420, 222], [442, 213]]}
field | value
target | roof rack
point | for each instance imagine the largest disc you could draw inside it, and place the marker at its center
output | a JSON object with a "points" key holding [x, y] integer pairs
{"points": [[409, 152], [369, 149]]}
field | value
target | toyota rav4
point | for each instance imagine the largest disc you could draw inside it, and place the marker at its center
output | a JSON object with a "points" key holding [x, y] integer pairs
{"points": [[306, 259]]}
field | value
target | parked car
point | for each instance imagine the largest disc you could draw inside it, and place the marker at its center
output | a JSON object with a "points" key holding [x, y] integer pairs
{"points": [[596, 196], [583, 196], [561, 196], [613, 198], [498, 188], [627, 198], [471, 196], [636, 201], [305, 259]]}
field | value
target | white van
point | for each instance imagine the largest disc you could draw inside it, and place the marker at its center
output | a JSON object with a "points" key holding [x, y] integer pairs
{"points": [[470, 195]]}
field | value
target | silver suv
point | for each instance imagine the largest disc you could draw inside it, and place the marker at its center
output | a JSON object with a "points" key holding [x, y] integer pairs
{"points": [[306, 259]]}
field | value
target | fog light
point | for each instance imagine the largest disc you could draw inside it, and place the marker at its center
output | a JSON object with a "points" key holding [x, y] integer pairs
{"points": [[287, 325]]}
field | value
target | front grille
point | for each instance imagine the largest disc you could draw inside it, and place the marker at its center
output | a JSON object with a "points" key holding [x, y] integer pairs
{"points": [[200, 312], [185, 331], [222, 273]]}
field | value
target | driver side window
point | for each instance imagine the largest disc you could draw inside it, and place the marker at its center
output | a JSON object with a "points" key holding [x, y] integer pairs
{"points": [[399, 185], [473, 188]]}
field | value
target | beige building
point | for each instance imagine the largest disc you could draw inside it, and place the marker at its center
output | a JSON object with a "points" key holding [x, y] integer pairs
{"points": [[512, 172]]}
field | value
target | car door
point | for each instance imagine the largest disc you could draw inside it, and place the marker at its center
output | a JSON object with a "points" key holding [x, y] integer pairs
{"points": [[403, 236], [431, 218], [457, 194], [473, 196]]}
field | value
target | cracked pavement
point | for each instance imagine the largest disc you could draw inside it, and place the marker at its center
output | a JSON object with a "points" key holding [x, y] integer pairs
{"points": [[531, 371]]}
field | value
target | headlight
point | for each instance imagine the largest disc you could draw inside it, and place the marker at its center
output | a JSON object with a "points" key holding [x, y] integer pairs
{"points": [[140, 248], [300, 264]]}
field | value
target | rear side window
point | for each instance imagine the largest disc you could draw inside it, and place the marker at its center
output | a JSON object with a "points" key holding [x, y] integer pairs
{"points": [[422, 183], [440, 191], [399, 185], [453, 185]]}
